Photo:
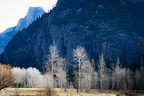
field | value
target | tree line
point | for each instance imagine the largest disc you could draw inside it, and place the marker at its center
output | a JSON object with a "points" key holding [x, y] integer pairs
{"points": [[86, 73]]}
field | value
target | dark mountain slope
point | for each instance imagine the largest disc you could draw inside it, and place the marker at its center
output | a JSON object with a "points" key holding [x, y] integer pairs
{"points": [[112, 27]]}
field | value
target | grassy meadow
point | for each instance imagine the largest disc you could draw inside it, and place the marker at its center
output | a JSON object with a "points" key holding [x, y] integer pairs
{"points": [[67, 92]]}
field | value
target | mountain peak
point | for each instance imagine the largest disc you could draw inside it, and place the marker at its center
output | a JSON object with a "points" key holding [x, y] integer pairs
{"points": [[32, 14], [33, 10], [7, 35]]}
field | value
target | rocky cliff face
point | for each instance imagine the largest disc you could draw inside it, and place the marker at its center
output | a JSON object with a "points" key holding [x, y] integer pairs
{"points": [[112, 27], [32, 14], [7, 35]]}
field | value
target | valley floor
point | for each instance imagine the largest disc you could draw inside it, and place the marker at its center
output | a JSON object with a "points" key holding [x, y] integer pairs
{"points": [[69, 92]]}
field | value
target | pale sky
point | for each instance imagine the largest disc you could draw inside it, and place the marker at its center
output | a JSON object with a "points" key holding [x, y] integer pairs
{"points": [[12, 10]]}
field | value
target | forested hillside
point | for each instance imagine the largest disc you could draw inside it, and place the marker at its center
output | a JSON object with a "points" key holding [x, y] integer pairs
{"points": [[112, 27]]}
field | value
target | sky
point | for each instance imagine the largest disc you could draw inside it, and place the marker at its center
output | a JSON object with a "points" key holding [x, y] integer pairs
{"points": [[12, 10]]}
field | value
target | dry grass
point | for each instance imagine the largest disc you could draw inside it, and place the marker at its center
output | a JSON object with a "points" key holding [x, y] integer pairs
{"points": [[22, 91], [69, 92], [95, 92]]}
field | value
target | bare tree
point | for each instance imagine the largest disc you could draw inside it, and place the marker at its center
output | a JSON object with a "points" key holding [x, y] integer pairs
{"points": [[95, 80], [129, 79], [6, 76], [48, 80], [103, 73], [61, 75], [87, 72], [33, 77], [139, 78], [52, 59], [142, 76], [79, 55], [123, 75], [119, 76], [84, 68], [57, 68], [112, 76], [20, 74]]}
